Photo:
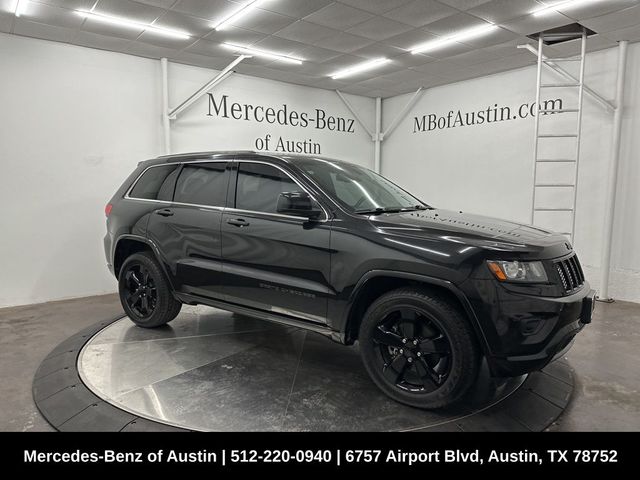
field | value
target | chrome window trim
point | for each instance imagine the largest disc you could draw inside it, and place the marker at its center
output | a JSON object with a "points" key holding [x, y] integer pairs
{"points": [[180, 204], [281, 215], [145, 200], [208, 207]]}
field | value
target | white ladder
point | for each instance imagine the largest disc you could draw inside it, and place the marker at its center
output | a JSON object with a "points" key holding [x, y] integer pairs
{"points": [[549, 113]]}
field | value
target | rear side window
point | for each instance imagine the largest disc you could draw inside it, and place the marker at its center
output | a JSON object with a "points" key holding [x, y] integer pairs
{"points": [[156, 183], [259, 187], [203, 184]]}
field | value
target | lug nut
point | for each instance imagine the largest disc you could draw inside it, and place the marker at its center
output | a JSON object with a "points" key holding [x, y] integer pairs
{"points": [[415, 342], [401, 351], [419, 354], [404, 340], [409, 359]]}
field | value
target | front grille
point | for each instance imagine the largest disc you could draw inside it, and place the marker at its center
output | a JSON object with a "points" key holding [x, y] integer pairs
{"points": [[570, 273]]}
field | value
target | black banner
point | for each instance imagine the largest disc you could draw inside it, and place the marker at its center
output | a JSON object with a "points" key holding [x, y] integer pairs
{"points": [[265, 452]]}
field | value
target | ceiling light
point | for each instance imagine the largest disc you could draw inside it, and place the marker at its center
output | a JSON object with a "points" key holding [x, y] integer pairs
{"points": [[262, 53], [237, 13], [458, 37], [20, 7], [123, 22], [361, 67], [552, 8]]}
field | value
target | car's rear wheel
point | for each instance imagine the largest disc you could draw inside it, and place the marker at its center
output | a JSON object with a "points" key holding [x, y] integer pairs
{"points": [[145, 292], [419, 348]]}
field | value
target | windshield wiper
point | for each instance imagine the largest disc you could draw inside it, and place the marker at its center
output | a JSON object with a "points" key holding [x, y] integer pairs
{"points": [[381, 210], [414, 208], [378, 211]]}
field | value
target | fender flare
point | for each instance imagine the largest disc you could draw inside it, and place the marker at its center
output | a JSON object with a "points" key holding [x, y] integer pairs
{"points": [[425, 279], [150, 244]]}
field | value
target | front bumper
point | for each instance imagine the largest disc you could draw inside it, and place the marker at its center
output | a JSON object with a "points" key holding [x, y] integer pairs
{"points": [[527, 332], [557, 346]]}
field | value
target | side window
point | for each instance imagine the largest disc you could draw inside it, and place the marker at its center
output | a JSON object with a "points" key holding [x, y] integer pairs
{"points": [[156, 183], [203, 184], [259, 187]]}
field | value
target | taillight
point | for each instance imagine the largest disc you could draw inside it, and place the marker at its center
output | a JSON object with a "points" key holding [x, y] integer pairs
{"points": [[107, 209]]}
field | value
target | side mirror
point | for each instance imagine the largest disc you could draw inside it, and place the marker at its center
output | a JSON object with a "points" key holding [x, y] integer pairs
{"points": [[298, 204]]}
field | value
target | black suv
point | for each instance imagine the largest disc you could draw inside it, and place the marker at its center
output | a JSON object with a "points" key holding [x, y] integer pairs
{"points": [[339, 250]]}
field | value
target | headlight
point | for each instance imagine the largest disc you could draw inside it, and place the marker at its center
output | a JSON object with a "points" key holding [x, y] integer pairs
{"points": [[517, 271]]}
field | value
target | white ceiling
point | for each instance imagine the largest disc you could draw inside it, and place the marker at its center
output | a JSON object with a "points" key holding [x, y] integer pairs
{"points": [[330, 35]]}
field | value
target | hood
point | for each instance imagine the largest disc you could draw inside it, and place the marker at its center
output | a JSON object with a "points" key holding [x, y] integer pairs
{"points": [[477, 230]]}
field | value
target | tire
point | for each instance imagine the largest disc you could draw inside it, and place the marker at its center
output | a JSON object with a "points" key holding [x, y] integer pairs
{"points": [[145, 292], [445, 357]]}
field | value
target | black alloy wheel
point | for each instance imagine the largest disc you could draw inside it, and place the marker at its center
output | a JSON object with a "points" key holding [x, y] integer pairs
{"points": [[415, 354], [145, 292], [419, 347], [140, 291]]}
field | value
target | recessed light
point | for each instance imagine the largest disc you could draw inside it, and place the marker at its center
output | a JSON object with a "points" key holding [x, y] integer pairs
{"points": [[552, 8], [20, 7], [457, 38], [238, 13], [361, 67], [262, 53], [124, 22]]}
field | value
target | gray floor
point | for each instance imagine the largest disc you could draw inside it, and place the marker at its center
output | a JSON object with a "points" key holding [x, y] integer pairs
{"points": [[605, 357], [27, 335], [244, 374]]}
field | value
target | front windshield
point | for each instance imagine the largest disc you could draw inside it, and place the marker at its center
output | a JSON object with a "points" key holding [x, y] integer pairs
{"points": [[358, 189]]}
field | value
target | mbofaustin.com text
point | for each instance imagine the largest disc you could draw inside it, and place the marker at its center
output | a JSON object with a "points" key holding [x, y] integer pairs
{"points": [[491, 114]]}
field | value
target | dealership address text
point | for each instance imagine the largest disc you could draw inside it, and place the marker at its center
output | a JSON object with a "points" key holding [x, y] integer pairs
{"points": [[328, 456]]}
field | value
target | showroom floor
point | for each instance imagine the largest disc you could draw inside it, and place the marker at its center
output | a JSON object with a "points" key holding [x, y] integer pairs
{"points": [[605, 358]]}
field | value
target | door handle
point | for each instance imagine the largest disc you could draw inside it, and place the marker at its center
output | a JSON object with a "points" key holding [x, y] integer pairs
{"points": [[238, 222], [165, 212]]}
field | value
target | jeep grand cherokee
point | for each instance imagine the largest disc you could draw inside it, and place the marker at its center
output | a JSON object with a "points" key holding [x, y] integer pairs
{"points": [[334, 248]]}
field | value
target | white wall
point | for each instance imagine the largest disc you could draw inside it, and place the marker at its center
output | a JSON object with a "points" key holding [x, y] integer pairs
{"points": [[75, 122], [71, 131], [487, 168]]}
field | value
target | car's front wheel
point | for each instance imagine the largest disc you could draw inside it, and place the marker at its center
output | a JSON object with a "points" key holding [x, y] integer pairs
{"points": [[145, 292], [419, 348]]}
